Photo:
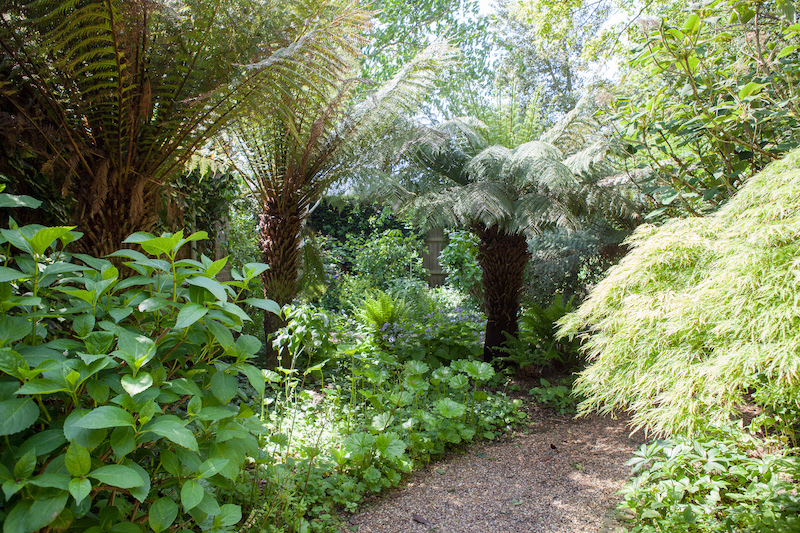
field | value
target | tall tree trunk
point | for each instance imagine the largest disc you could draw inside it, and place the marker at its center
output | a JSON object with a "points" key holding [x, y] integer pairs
{"points": [[502, 257], [279, 234]]}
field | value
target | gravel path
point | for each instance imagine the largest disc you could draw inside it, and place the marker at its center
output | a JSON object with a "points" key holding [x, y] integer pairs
{"points": [[556, 475]]}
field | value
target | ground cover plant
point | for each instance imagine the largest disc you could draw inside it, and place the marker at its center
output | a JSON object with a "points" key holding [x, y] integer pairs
{"points": [[386, 399], [722, 481]]}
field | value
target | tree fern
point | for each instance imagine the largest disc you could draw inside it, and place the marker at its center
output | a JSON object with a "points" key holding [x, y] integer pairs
{"points": [[110, 98], [507, 194], [289, 159]]}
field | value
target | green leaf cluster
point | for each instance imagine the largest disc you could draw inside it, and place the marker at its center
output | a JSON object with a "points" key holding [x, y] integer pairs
{"points": [[724, 105], [459, 260], [120, 401], [714, 483]]}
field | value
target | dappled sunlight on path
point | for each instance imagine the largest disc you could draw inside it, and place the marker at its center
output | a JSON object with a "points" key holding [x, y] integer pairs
{"points": [[555, 476]]}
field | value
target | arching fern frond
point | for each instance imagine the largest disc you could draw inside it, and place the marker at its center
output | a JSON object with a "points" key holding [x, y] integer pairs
{"points": [[489, 164], [115, 95]]}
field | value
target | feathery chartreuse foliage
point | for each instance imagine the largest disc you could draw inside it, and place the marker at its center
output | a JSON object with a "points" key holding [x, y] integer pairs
{"points": [[703, 315]]}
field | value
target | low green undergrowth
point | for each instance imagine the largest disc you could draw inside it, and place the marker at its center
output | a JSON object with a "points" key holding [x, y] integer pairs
{"points": [[354, 425], [727, 482], [557, 395]]}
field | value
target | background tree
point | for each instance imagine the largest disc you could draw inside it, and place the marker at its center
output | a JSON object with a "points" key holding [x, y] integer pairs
{"points": [[289, 159], [542, 61], [403, 29], [456, 178], [108, 100], [723, 105]]}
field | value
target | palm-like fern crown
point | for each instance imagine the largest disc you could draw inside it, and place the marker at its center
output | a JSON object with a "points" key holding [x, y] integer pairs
{"points": [[290, 158], [122, 91], [457, 178]]}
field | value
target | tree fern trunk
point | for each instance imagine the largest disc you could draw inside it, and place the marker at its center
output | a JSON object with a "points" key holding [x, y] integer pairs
{"points": [[502, 257], [108, 220], [279, 236]]}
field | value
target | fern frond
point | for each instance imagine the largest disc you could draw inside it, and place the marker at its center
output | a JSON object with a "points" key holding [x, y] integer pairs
{"points": [[489, 164], [570, 133]]}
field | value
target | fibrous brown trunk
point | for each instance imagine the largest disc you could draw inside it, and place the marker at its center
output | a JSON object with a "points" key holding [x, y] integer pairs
{"points": [[502, 257], [111, 208], [279, 235]]}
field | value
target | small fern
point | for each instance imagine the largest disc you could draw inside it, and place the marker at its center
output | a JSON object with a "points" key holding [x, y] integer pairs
{"points": [[538, 346], [382, 309]]}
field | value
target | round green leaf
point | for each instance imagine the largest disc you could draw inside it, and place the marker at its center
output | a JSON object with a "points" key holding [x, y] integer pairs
{"points": [[229, 515], [449, 408], [25, 466], [389, 446], [172, 429], [83, 324], [117, 476], [135, 385], [224, 386], [106, 416], [189, 314], [43, 443], [44, 511], [77, 460], [213, 286], [80, 488], [17, 414], [88, 438], [123, 441]]}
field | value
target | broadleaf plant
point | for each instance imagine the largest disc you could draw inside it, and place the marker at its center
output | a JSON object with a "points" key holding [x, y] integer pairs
{"points": [[117, 394]]}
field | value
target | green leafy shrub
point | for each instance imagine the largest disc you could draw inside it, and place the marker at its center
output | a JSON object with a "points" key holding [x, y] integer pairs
{"points": [[723, 104], [459, 260], [388, 256], [702, 316], [558, 396], [440, 337], [120, 405], [714, 483], [417, 297], [307, 338]]}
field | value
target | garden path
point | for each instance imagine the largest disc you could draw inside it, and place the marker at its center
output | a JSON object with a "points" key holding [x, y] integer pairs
{"points": [[552, 475]]}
